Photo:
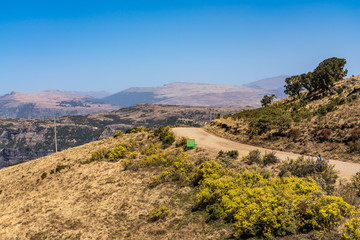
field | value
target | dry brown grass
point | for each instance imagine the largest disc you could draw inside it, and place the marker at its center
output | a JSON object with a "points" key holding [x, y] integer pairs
{"points": [[98, 200]]}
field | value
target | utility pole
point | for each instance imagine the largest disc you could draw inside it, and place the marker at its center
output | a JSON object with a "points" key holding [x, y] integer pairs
{"points": [[55, 135]]}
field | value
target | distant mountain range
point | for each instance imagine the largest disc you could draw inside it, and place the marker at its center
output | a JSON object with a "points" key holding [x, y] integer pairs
{"points": [[201, 94], [48, 104], [52, 103]]}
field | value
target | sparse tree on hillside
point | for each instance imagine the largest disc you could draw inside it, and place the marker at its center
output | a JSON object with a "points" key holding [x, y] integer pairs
{"points": [[328, 72], [267, 100], [293, 86], [321, 79]]}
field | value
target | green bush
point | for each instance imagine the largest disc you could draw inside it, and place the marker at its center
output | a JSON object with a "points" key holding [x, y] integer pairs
{"points": [[270, 158], [330, 106], [43, 175], [60, 167], [253, 157], [339, 90], [118, 134], [166, 136], [158, 213], [353, 97], [355, 181], [323, 172], [233, 154], [181, 142]]}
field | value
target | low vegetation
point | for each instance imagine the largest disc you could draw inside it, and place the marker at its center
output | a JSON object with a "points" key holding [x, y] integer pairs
{"points": [[324, 120], [298, 196]]}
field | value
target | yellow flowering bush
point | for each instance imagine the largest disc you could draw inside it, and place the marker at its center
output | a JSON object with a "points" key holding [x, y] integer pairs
{"points": [[352, 229], [95, 156], [117, 153], [260, 206], [325, 212], [153, 160], [151, 149], [181, 171], [160, 212], [133, 154]]}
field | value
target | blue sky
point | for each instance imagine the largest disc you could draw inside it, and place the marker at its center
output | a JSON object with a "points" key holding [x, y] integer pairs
{"points": [[114, 45]]}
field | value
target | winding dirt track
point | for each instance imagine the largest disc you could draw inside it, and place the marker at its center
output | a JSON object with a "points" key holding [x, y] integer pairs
{"points": [[214, 144]]}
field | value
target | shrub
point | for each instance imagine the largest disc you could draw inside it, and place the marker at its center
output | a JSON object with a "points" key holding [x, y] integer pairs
{"points": [[294, 133], [270, 158], [355, 134], [267, 207], [95, 156], [323, 172], [181, 171], [325, 134], [339, 90], [127, 164], [253, 157], [151, 149], [353, 97], [354, 146], [166, 136], [133, 155], [117, 153], [160, 212], [60, 167], [43, 175], [181, 142], [136, 130], [118, 134], [168, 140], [355, 181], [154, 160], [326, 212], [233, 154], [352, 229]]}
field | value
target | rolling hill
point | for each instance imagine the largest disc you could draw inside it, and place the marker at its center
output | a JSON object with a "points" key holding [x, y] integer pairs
{"points": [[200, 94], [142, 186], [48, 104], [327, 125]]}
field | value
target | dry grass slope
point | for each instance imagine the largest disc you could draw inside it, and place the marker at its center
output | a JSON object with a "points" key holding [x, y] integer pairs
{"points": [[98, 200]]}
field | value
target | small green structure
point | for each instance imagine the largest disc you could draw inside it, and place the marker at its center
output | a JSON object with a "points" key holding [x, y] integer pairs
{"points": [[190, 142]]}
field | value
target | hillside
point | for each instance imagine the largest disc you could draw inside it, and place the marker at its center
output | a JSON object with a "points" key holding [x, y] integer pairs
{"points": [[200, 94], [27, 139], [48, 104], [143, 185], [327, 125]]}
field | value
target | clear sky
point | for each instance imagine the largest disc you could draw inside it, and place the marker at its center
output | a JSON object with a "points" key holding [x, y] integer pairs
{"points": [[114, 45]]}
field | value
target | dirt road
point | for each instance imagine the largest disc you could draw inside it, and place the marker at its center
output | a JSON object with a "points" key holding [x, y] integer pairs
{"points": [[214, 144]]}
